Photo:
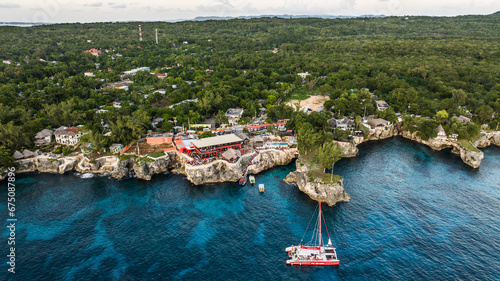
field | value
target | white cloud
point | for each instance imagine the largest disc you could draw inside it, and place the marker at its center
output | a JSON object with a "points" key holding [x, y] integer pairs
{"points": [[9, 6], [120, 6], [98, 4], [102, 10]]}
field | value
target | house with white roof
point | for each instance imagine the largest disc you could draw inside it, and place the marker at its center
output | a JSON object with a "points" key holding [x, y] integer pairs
{"points": [[233, 115]]}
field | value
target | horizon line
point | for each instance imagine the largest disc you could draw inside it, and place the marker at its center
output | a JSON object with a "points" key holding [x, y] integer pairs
{"points": [[206, 18]]}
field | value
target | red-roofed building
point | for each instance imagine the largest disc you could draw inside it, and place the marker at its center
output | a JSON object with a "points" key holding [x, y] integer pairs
{"points": [[161, 75], [179, 144], [93, 51]]}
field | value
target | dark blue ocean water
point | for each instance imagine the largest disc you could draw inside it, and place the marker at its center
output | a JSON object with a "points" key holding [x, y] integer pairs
{"points": [[415, 214]]}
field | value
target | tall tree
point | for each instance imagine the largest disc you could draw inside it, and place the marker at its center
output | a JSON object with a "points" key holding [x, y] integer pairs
{"points": [[306, 138], [327, 155]]}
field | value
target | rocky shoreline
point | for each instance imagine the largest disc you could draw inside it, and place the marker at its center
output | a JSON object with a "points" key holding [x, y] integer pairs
{"points": [[471, 158], [329, 193], [223, 171], [145, 167]]}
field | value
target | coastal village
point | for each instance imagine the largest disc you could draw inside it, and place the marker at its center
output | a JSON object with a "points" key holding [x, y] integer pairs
{"points": [[135, 146], [232, 144], [234, 149]]}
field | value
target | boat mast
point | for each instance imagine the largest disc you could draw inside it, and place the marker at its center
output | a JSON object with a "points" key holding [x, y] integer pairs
{"points": [[319, 216]]}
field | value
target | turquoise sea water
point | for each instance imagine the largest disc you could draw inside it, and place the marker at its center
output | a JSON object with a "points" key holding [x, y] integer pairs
{"points": [[415, 214]]}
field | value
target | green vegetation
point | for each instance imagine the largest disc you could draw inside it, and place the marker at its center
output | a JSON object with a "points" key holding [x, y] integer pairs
{"points": [[126, 157], [300, 94], [420, 66], [144, 160], [67, 150], [324, 157], [156, 154], [206, 134], [326, 178], [468, 146], [6, 159]]}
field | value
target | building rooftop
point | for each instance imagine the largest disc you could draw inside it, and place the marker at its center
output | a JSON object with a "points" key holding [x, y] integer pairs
{"points": [[18, 155], [234, 112], [43, 133], [377, 122], [441, 130], [382, 104], [231, 153], [345, 121], [218, 140], [242, 136], [67, 131]]}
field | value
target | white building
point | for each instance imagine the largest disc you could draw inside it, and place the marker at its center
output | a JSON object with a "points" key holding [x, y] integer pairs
{"points": [[68, 136], [161, 91], [89, 74], [441, 132], [303, 75], [135, 70], [100, 111], [233, 115], [346, 124]]}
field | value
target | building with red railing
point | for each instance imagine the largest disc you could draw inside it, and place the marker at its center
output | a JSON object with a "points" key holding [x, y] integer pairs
{"points": [[214, 146]]}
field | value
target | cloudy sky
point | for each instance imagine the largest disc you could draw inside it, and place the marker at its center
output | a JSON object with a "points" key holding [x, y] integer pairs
{"points": [[160, 10]]}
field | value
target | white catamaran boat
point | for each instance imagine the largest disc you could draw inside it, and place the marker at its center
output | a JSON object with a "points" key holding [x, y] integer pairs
{"points": [[315, 253]]}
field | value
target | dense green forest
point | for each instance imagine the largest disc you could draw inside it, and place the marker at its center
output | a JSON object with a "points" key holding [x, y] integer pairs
{"points": [[419, 65]]}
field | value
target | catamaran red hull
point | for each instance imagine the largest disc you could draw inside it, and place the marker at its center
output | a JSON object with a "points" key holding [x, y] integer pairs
{"points": [[313, 262]]}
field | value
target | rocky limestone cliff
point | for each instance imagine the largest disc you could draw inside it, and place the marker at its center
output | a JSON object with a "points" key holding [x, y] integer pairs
{"points": [[165, 163], [223, 171], [488, 139], [47, 165], [381, 133], [270, 158], [123, 168], [349, 148], [471, 158], [217, 171], [317, 190], [106, 164]]}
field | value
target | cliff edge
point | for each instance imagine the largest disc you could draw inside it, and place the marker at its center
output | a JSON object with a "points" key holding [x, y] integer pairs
{"points": [[223, 171], [318, 188]]}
